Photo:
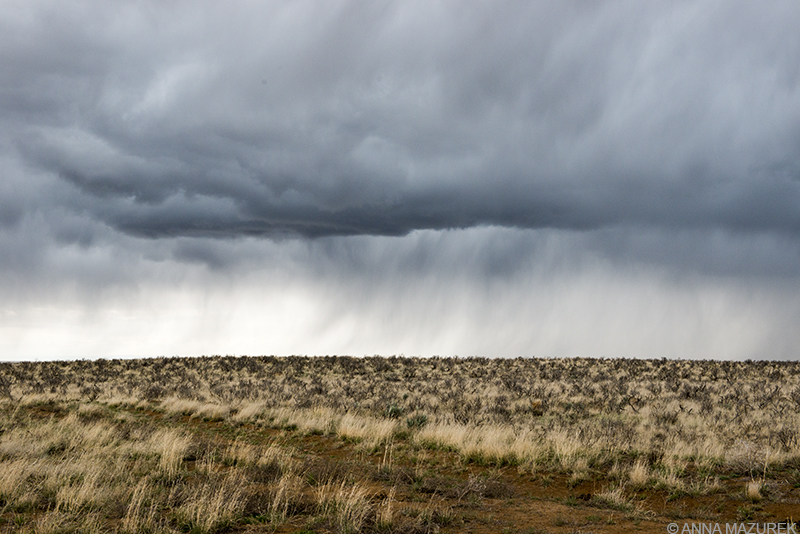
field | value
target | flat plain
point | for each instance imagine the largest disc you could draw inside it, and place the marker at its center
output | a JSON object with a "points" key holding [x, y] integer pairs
{"points": [[396, 445]]}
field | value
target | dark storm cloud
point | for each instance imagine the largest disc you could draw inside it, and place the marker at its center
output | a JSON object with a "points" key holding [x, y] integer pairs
{"points": [[348, 118]]}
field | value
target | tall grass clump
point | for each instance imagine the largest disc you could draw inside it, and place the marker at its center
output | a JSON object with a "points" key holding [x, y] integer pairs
{"points": [[347, 504], [211, 506], [171, 447]]}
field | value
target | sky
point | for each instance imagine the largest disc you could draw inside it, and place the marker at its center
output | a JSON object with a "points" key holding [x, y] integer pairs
{"points": [[500, 179]]}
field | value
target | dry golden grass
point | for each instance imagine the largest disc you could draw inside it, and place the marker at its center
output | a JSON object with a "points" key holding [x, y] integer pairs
{"points": [[386, 511], [286, 493], [212, 506], [171, 447], [616, 498], [639, 474], [347, 503], [141, 513], [79, 451], [753, 490], [372, 430]]}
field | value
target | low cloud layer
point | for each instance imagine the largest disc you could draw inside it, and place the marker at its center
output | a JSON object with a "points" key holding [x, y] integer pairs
{"points": [[328, 144], [196, 119]]}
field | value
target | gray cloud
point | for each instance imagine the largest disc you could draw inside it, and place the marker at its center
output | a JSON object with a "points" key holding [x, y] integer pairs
{"points": [[606, 178], [353, 118]]}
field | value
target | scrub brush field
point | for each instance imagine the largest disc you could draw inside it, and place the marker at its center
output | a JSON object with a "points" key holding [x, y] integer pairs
{"points": [[396, 445]]}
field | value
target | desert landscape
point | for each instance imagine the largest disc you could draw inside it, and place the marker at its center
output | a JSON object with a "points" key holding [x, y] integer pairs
{"points": [[405, 445], [579, 220]]}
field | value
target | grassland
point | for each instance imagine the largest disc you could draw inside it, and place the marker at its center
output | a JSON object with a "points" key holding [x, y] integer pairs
{"points": [[395, 445]]}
